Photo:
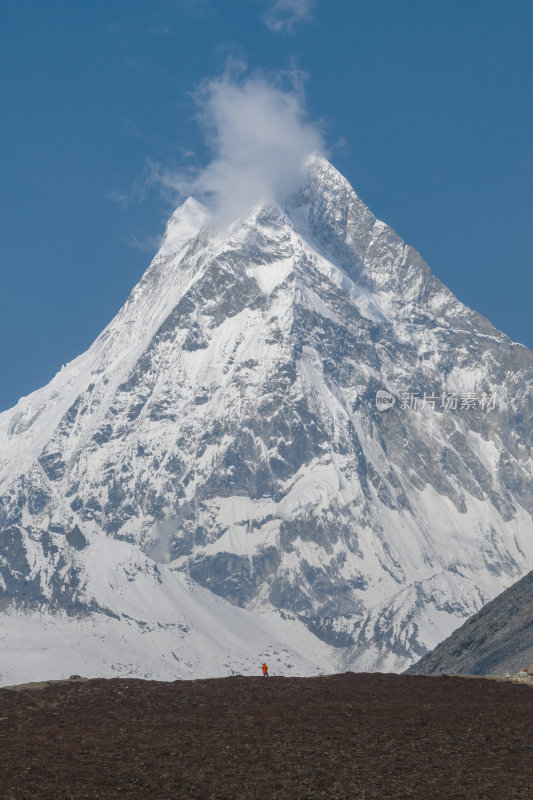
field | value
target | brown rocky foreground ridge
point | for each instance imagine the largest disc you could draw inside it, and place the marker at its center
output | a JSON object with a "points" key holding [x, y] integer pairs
{"points": [[339, 736]]}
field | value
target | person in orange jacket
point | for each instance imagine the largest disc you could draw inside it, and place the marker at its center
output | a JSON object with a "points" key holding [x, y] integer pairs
{"points": [[265, 671]]}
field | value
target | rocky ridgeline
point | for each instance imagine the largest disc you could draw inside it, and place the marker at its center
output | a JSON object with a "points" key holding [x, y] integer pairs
{"points": [[498, 640]]}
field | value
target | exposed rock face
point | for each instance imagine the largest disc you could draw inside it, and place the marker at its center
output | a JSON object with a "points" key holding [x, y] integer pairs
{"points": [[498, 640], [225, 423]]}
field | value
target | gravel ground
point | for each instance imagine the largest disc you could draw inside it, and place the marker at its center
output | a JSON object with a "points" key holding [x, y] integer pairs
{"points": [[340, 736]]}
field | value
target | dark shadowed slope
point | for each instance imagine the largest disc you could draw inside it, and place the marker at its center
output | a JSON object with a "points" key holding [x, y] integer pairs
{"points": [[342, 736], [498, 640]]}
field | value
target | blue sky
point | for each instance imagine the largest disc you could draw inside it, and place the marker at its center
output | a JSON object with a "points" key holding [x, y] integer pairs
{"points": [[426, 107]]}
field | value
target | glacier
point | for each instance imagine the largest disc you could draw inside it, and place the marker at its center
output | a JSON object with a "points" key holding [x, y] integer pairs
{"points": [[223, 431]]}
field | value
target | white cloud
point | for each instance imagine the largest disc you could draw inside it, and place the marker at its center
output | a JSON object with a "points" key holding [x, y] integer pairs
{"points": [[283, 15], [146, 244], [259, 137]]}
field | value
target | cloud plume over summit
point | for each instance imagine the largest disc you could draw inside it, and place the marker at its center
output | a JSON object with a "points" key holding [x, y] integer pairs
{"points": [[259, 137]]}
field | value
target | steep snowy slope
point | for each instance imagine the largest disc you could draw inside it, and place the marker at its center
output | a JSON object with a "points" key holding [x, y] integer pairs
{"points": [[133, 617], [226, 424]]}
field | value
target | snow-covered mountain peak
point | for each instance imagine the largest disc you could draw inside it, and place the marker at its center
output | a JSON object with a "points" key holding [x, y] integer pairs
{"points": [[183, 226], [319, 171], [226, 424]]}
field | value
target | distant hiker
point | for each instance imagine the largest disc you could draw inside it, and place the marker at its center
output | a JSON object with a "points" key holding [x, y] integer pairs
{"points": [[265, 671]]}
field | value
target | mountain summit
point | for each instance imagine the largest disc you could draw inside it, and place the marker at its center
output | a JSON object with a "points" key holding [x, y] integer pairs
{"points": [[295, 413]]}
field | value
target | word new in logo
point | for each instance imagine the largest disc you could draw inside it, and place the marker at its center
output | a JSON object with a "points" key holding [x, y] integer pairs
{"points": [[384, 400]]}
